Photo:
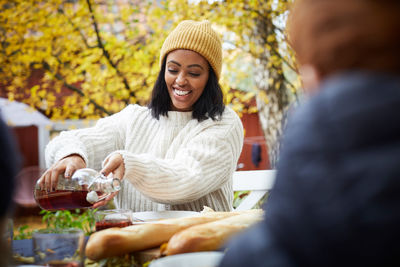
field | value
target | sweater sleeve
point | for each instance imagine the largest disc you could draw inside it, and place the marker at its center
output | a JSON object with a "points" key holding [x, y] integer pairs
{"points": [[199, 166], [92, 144]]}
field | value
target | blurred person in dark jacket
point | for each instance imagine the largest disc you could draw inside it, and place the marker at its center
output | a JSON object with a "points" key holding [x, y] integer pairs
{"points": [[336, 200], [9, 160]]}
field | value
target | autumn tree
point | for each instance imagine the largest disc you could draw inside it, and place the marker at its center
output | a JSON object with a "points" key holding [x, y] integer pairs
{"points": [[103, 55], [97, 56], [259, 32]]}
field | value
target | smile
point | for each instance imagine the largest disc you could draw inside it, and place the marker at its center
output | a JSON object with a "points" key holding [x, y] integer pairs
{"points": [[181, 93]]}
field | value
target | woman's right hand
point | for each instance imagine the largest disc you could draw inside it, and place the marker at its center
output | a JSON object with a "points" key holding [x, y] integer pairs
{"points": [[66, 166]]}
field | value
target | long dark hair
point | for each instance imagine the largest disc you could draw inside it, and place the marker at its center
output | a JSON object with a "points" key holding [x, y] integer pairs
{"points": [[209, 105]]}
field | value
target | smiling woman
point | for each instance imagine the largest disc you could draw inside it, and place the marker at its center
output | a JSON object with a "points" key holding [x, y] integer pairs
{"points": [[180, 152], [191, 60], [186, 77]]}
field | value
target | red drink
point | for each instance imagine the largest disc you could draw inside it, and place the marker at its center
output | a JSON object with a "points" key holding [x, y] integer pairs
{"points": [[72, 193], [108, 224], [61, 199], [63, 264]]}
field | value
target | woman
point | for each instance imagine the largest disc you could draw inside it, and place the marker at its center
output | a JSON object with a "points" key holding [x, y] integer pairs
{"points": [[177, 154]]}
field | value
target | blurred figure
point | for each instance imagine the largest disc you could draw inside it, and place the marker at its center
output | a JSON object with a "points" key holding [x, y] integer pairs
{"points": [[8, 172], [336, 200]]}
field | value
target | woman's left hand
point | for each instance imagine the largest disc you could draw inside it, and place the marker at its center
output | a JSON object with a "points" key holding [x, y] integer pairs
{"points": [[115, 165]]}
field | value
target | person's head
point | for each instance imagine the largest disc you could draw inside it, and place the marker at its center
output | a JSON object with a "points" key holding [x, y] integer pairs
{"points": [[191, 61], [334, 36]]}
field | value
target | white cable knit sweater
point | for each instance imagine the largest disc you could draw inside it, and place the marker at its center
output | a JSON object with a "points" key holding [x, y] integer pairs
{"points": [[174, 163]]}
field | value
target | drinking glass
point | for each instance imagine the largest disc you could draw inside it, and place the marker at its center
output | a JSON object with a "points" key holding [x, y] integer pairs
{"points": [[112, 218], [59, 247]]}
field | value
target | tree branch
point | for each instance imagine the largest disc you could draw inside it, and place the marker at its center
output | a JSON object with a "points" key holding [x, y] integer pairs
{"points": [[77, 29], [266, 59], [274, 28], [73, 88], [106, 53]]}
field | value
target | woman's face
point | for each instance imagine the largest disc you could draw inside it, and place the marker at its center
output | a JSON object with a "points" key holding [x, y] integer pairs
{"points": [[186, 75]]}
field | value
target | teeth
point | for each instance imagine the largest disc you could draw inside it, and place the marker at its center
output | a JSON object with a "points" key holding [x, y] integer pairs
{"points": [[179, 92]]}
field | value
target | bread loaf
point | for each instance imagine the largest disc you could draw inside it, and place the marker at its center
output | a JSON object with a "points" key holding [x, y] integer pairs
{"points": [[119, 241], [212, 235]]}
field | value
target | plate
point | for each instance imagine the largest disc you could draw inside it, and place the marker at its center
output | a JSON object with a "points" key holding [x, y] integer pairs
{"points": [[196, 259], [148, 216]]}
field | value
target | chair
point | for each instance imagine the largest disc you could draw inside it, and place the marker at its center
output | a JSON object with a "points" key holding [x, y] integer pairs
{"points": [[25, 184], [259, 182]]}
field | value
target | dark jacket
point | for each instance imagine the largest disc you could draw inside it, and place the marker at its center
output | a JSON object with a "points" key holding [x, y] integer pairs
{"points": [[336, 201], [9, 163]]}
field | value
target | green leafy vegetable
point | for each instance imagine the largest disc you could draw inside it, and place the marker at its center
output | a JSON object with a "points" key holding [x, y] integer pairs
{"points": [[67, 219]]}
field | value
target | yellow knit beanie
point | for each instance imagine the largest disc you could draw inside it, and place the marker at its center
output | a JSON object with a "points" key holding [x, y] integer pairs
{"points": [[198, 37]]}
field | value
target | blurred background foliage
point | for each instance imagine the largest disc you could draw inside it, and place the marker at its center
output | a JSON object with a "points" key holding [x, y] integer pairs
{"points": [[85, 59]]}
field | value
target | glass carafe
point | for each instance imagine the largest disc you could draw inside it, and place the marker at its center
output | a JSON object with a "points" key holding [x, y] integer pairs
{"points": [[83, 190]]}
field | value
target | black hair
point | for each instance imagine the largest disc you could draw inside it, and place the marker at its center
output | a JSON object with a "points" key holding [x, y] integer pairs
{"points": [[209, 105]]}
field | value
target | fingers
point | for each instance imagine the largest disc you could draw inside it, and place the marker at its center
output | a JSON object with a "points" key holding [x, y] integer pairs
{"points": [[111, 164], [69, 170], [105, 201], [42, 180], [111, 196], [51, 183], [48, 181], [66, 166], [99, 204], [114, 164], [119, 172]]}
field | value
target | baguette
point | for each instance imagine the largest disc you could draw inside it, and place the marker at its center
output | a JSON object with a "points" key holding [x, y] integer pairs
{"points": [[119, 241], [212, 235]]}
